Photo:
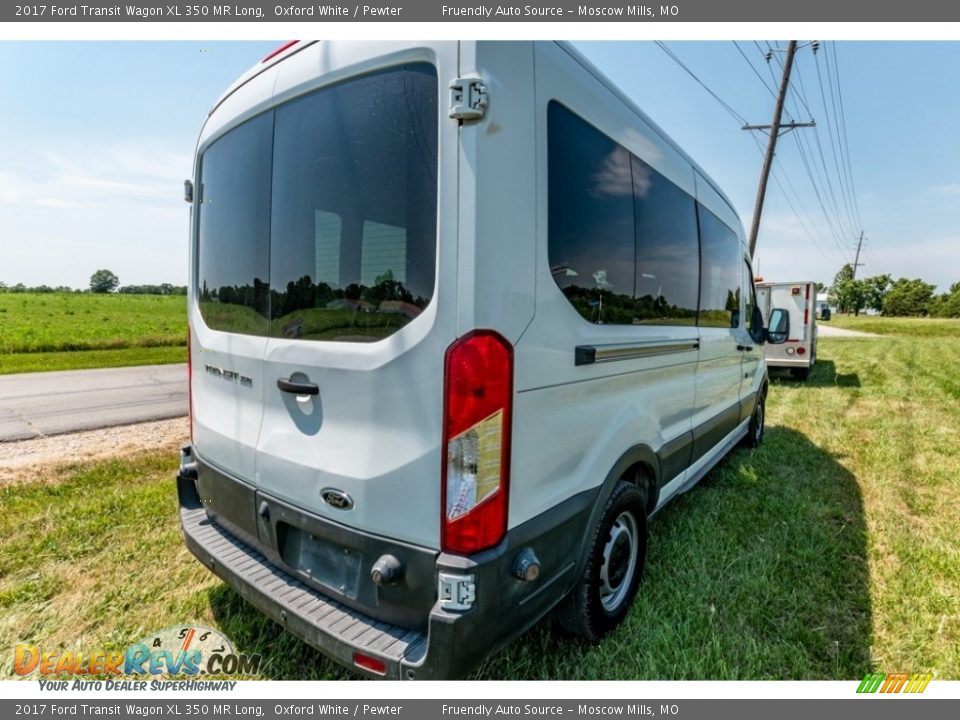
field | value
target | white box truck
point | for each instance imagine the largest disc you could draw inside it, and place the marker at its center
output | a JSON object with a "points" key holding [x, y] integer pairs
{"points": [[798, 299], [461, 319]]}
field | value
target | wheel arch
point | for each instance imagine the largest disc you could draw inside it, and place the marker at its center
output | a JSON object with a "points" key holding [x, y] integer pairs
{"points": [[638, 465]]}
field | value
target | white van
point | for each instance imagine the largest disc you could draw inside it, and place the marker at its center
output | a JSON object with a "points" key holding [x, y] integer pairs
{"points": [[799, 301], [461, 319]]}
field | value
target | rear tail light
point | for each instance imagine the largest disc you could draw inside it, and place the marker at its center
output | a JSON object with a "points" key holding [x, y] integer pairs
{"points": [[801, 350], [477, 409], [190, 380]]}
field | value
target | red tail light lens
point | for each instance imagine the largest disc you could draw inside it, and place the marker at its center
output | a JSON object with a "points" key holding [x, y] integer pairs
{"points": [[477, 409]]}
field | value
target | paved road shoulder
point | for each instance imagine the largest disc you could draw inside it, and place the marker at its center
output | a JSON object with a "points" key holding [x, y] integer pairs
{"points": [[51, 403]]}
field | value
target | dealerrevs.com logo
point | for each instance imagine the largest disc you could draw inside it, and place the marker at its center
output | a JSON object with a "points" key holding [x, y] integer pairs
{"points": [[185, 650], [895, 682]]}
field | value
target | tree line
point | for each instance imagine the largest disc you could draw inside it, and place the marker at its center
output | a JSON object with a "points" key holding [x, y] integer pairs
{"points": [[904, 297], [102, 281]]}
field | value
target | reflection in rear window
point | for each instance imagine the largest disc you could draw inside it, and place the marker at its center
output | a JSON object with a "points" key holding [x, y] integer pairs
{"points": [[348, 249]]}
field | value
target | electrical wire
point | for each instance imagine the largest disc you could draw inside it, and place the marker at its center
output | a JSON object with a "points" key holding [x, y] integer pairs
{"points": [[737, 116]]}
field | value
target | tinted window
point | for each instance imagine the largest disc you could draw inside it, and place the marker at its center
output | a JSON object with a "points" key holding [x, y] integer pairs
{"points": [[323, 219], [622, 238], [591, 226], [668, 258], [750, 301], [720, 262], [353, 250], [234, 229]]}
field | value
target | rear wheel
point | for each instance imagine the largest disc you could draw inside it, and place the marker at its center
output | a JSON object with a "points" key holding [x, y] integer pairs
{"points": [[758, 423], [602, 597]]}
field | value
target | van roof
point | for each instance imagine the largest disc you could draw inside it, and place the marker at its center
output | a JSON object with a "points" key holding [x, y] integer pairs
{"points": [[292, 47]]}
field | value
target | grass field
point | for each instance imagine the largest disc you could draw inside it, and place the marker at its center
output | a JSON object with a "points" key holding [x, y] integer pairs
{"points": [[914, 327], [831, 551], [61, 331]]}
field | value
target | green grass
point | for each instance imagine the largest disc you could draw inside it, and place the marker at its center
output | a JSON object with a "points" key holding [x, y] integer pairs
{"points": [[46, 361], [831, 551], [912, 327], [56, 322]]}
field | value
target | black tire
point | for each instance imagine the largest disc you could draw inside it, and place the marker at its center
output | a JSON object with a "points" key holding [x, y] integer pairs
{"points": [[800, 374], [602, 597], [758, 422]]}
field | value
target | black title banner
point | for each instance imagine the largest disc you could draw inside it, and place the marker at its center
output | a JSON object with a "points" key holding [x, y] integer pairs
{"points": [[466, 11]]}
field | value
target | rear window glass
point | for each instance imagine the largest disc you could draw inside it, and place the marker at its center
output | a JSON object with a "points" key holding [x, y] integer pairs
{"points": [[234, 229], [352, 205]]}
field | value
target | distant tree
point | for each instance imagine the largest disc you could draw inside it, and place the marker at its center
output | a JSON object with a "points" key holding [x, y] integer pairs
{"points": [[848, 293], [103, 281], [820, 287], [908, 297], [876, 289], [948, 304]]}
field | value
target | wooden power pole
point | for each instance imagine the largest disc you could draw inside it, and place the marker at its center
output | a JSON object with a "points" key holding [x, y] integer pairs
{"points": [[775, 127], [857, 263]]}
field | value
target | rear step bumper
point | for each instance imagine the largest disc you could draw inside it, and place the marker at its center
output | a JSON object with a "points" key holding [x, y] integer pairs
{"points": [[449, 642], [332, 628]]}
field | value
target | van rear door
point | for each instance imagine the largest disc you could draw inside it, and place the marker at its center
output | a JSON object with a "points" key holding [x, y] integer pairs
{"points": [[362, 258], [229, 309]]}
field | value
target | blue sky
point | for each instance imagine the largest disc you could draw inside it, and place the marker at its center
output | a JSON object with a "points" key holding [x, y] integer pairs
{"points": [[98, 138]]}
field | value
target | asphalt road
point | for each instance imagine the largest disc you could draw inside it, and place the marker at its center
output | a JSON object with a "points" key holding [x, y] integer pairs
{"points": [[824, 330], [37, 404]]}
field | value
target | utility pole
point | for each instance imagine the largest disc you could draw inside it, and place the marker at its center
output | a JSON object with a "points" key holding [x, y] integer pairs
{"points": [[856, 262], [775, 127]]}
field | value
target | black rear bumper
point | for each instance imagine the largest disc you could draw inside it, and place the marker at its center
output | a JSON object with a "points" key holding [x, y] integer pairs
{"points": [[442, 643]]}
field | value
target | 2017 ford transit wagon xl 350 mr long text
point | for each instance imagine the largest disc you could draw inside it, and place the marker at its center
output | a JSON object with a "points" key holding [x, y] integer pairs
{"points": [[461, 319]]}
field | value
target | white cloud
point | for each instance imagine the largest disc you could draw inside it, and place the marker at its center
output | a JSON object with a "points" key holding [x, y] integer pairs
{"points": [[63, 214]]}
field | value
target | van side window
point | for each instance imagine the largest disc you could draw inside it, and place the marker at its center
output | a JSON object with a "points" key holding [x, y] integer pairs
{"points": [[591, 225], [668, 257], [622, 238], [751, 299], [233, 261], [719, 272]]}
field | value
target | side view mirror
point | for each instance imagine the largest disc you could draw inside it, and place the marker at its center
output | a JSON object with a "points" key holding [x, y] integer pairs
{"points": [[779, 328], [757, 332]]}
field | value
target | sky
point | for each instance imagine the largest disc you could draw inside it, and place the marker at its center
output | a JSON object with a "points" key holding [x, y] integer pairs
{"points": [[98, 138]]}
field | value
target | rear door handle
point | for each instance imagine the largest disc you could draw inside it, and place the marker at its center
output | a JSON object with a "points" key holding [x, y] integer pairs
{"points": [[298, 388], [748, 348]]}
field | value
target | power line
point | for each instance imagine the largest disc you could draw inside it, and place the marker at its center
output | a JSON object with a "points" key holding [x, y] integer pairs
{"points": [[843, 122], [826, 112], [755, 71], [844, 190], [737, 116]]}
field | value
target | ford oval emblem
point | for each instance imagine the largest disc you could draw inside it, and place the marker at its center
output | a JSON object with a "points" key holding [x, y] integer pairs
{"points": [[336, 499]]}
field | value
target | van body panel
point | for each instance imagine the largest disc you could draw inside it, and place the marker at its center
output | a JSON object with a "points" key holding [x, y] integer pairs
{"points": [[718, 374], [496, 251]]}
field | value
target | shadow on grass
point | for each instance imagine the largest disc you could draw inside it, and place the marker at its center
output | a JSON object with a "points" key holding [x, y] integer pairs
{"points": [[759, 572], [823, 374]]}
